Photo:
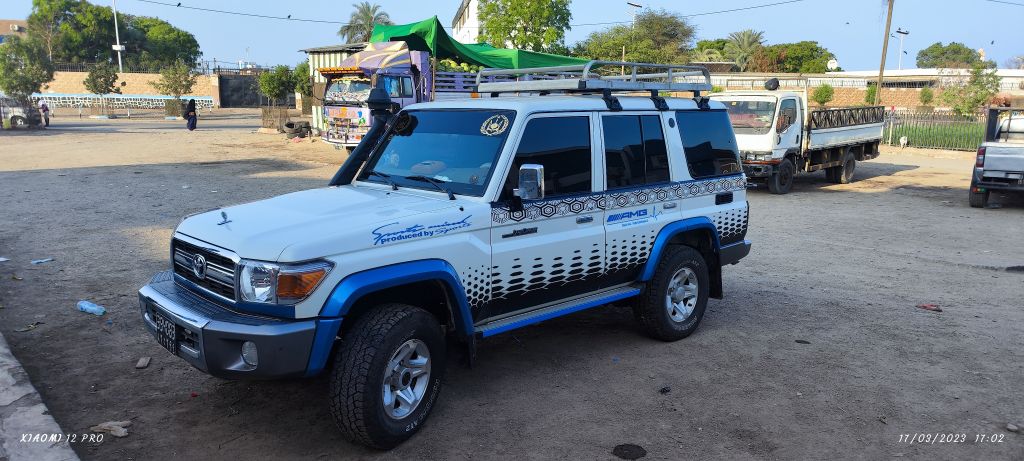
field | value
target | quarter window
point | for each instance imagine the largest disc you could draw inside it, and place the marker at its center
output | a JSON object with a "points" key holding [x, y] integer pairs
{"points": [[634, 150], [562, 145], [709, 143]]}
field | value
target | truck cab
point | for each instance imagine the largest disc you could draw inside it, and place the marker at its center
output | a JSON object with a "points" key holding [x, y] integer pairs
{"points": [[779, 136], [455, 221]]}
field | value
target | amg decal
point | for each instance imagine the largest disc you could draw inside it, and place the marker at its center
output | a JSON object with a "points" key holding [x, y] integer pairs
{"points": [[628, 215], [388, 234]]}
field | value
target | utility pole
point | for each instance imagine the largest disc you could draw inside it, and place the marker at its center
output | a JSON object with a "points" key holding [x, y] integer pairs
{"points": [[118, 47], [885, 48], [902, 34]]}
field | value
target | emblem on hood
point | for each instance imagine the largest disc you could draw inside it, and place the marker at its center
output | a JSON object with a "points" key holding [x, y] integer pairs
{"points": [[224, 220]]}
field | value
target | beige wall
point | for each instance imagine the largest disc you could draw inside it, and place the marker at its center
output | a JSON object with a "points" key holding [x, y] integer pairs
{"points": [[71, 83]]}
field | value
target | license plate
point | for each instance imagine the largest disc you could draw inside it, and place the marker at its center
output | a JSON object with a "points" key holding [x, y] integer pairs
{"points": [[166, 332]]}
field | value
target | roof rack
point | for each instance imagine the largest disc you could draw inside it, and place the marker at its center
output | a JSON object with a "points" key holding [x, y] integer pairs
{"points": [[580, 78]]}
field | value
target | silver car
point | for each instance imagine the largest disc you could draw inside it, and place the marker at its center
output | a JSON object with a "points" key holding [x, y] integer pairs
{"points": [[18, 114]]}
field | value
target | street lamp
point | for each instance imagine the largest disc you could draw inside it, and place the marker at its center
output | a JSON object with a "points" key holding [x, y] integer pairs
{"points": [[118, 47], [632, 25], [902, 34]]}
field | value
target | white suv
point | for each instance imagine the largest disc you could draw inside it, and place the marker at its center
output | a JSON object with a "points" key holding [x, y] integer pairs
{"points": [[459, 219]]}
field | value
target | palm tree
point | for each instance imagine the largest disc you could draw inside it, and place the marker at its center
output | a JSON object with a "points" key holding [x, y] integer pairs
{"points": [[742, 46], [360, 23], [706, 55]]}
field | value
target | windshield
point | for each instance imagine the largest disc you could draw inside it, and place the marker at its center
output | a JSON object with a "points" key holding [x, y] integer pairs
{"points": [[456, 147], [347, 89], [751, 117]]}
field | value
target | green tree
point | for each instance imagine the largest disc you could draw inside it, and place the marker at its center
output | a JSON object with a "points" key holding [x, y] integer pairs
{"points": [[955, 55], [536, 25], [716, 44], [156, 43], [823, 94], [926, 97], [869, 95], [656, 37], [276, 83], [742, 45], [301, 77], [24, 67], [361, 21], [801, 57], [706, 55], [46, 21], [981, 87], [102, 80], [175, 80]]}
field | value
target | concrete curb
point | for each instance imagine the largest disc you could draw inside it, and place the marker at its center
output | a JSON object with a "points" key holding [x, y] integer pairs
{"points": [[22, 412]]}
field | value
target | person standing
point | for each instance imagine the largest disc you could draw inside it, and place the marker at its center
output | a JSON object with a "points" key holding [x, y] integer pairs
{"points": [[44, 112], [191, 115]]}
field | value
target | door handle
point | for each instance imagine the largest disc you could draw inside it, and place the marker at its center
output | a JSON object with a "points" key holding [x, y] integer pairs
{"points": [[723, 198], [584, 219], [669, 205]]}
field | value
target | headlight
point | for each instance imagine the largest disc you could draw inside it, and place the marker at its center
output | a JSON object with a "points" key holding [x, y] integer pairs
{"points": [[261, 282], [757, 156]]}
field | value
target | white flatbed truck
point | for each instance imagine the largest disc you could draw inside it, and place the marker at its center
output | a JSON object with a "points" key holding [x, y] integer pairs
{"points": [[779, 136]]}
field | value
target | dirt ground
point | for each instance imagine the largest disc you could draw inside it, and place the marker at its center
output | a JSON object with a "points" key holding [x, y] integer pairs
{"points": [[839, 268]]}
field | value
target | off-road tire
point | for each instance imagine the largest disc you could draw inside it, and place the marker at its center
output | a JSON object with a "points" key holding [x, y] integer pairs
{"points": [[358, 374], [978, 199], [844, 173], [781, 181], [651, 309]]}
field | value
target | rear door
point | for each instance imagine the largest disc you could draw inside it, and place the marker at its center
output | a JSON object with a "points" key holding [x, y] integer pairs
{"points": [[638, 190], [553, 248], [715, 186]]}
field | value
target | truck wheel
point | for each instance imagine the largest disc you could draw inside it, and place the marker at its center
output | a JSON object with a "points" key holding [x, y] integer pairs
{"points": [[387, 375], [979, 199], [844, 173], [781, 182], [673, 302], [831, 173]]}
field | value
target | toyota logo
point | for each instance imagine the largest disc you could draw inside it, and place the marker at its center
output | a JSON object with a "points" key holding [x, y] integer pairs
{"points": [[199, 266]]}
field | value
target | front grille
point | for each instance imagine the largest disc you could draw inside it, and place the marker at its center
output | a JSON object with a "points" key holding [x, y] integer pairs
{"points": [[220, 270]]}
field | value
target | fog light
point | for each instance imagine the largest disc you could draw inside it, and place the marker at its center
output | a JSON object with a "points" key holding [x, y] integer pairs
{"points": [[249, 354]]}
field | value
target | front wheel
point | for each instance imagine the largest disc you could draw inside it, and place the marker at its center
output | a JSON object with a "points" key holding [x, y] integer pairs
{"points": [[781, 181], [672, 305], [387, 375], [18, 121]]}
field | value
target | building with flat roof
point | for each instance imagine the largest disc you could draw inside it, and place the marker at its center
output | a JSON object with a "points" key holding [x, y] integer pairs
{"points": [[466, 24], [13, 27]]}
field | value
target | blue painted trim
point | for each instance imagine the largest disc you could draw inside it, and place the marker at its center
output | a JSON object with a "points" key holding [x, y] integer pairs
{"points": [[671, 230], [559, 313], [357, 285], [326, 331]]}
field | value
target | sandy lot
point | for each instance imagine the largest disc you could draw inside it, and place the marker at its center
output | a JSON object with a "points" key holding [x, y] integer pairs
{"points": [[838, 267]]}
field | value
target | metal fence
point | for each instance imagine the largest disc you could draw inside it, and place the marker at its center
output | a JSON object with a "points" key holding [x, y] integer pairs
{"points": [[934, 130]]}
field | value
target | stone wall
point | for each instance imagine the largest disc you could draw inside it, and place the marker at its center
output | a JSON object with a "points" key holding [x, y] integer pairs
{"points": [[901, 98], [135, 84]]}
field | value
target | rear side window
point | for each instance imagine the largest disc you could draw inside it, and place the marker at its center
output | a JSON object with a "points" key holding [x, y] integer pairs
{"points": [[709, 143], [562, 145], [634, 150]]}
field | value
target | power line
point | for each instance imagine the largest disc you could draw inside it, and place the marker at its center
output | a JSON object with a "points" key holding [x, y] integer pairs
{"points": [[322, 21], [1005, 2]]}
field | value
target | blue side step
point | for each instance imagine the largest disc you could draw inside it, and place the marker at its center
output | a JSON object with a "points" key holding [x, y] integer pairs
{"points": [[556, 310]]}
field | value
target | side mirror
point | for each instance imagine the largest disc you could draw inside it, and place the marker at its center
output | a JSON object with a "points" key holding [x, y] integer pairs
{"points": [[531, 182]]}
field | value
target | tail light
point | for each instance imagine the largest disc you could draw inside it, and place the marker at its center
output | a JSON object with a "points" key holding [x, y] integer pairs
{"points": [[980, 163]]}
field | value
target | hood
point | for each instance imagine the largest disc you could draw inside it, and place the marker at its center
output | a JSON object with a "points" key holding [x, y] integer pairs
{"points": [[756, 142], [308, 224]]}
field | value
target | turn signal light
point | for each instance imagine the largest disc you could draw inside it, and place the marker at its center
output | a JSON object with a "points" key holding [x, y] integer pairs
{"points": [[295, 286]]}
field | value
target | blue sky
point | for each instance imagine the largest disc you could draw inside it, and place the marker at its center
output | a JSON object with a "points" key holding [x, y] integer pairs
{"points": [[852, 29]]}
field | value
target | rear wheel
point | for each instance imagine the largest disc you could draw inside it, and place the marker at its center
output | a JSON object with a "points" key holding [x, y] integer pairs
{"points": [[978, 199], [843, 174], [18, 121], [387, 375], [673, 302], [781, 181]]}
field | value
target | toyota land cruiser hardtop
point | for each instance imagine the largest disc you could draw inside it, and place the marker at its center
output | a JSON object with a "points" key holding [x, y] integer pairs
{"points": [[459, 220]]}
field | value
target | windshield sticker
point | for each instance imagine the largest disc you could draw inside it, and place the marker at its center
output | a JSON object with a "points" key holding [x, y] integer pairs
{"points": [[388, 234], [494, 125]]}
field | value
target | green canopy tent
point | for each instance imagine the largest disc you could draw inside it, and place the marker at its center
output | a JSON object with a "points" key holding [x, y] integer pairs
{"points": [[429, 35]]}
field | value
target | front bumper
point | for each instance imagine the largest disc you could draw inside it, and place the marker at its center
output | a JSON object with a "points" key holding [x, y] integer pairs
{"points": [[758, 170], [209, 336]]}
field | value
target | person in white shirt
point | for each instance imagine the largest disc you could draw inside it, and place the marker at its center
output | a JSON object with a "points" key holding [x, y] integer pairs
{"points": [[44, 112]]}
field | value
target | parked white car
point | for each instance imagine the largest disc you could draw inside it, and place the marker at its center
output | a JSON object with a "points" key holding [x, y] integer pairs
{"points": [[17, 114], [469, 218]]}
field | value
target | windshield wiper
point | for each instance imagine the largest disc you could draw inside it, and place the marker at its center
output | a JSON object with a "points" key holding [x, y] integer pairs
{"points": [[386, 177], [436, 182]]}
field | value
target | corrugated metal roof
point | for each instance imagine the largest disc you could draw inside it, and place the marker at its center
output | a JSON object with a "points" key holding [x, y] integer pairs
{"points": [[346, 48]]}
